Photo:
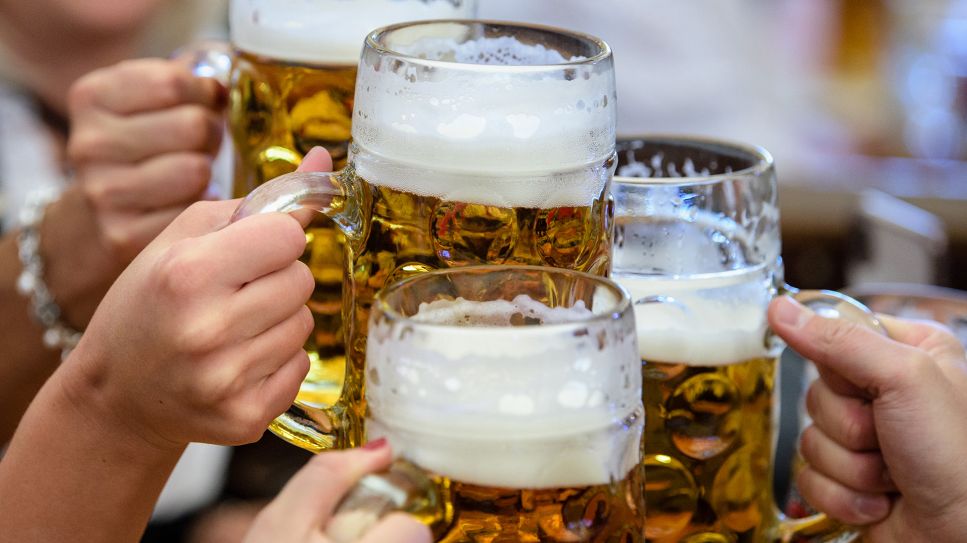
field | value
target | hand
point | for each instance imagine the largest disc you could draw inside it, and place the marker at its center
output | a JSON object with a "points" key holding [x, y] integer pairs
{"points": [[143, 136], [200, 339], [299, 512], [886, 446]]}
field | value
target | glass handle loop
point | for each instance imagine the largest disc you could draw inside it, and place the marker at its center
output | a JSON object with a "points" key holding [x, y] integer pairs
{"points": [[297, 192], [833, 305], [836, 305], [402, 487], [209, 58], [304, 195]]}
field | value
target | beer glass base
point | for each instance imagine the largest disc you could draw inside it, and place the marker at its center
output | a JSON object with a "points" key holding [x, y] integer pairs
{"points": [[297, 427]]}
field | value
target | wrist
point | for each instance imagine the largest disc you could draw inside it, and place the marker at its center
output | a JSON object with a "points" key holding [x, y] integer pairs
{"points": [[84, 387], [79, 270]]}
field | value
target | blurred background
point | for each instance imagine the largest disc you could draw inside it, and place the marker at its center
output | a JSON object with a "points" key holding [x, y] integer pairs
{"points": [[863, 103]]}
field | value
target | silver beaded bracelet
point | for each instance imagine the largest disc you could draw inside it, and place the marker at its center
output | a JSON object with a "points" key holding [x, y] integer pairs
{"points": [[30, 283]]}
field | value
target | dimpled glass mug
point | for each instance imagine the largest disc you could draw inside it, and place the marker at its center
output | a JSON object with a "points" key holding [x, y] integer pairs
{"points": [[474, 142], [697, 246], [291, 73], [511, 396]]}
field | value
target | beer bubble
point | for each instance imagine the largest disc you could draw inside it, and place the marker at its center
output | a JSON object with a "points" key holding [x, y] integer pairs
{"points": [[709, 537], [473, 234], [702, 415], [671, 496], [736, 492]]}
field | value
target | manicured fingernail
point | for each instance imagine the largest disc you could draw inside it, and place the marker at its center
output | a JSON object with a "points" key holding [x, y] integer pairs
{"points": [[375, 445], [872, 507], [792, 313]]}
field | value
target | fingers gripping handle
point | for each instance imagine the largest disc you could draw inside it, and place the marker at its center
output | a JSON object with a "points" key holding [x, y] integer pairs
{"points": [[301, 194], [305, 195], [833, 305], [403, 487]]}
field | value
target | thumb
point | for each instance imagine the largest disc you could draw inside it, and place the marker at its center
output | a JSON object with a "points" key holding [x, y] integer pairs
{"points": [[316, 160], [866, 363]]}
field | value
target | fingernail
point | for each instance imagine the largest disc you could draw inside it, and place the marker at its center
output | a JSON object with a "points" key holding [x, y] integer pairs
{"points": [[375, 445], [791, 313], [872, 507]]}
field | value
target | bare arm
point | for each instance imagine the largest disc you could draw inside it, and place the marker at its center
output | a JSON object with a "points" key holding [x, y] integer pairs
{"points": [[72, 451], [143, 134], [78, 274]]}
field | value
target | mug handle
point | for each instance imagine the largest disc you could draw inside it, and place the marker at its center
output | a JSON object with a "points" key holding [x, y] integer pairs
{"points": [[304, 195], [830, 304], [208, 58]]}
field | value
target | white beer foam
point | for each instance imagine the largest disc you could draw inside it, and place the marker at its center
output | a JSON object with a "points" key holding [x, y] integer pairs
{"points": [[486, 403], [707, 320], [504, 132], [325, 31]]}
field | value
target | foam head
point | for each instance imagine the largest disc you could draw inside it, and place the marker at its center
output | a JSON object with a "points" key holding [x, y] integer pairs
{"points": [[465, 390], [706, 320], [327, 31], [486, 113]]}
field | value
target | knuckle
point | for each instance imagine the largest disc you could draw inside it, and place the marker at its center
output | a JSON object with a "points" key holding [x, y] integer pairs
{"points": [[854, 433], [293, 236], [196, 127], [196, 170], [813, 404], [834, 335], [252, 423], [84, 92], [195, 337], [98, 194], [85, 145], [120, 240], [304, 279], [182, 271], [170, 84]]}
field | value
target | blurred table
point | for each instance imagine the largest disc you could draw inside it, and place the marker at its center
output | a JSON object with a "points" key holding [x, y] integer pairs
{"points": [[819, 198]]}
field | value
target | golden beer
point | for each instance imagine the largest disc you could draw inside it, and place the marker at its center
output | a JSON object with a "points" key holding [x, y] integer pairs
{"points": [[514, 398], [293, 81], [473, 143], [603, 513], [409, 233], [697, 246], [708, 379]]}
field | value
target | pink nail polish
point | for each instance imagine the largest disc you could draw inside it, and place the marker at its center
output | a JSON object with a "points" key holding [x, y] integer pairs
{"points": [[375, 445]]}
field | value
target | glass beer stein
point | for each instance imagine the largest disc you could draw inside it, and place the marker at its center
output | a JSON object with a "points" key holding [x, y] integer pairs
{"points": [[473, 143], [511, 396], [291, 71], [697, 246]]}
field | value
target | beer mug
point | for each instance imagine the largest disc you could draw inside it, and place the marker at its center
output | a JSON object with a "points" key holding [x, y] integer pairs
{"points": [[511, 396], [473, 143], [697, 246], [291, 70]]}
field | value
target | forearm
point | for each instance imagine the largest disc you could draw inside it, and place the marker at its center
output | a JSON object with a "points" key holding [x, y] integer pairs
{"points": [[24, 361], [74, 472], [77, 272]]}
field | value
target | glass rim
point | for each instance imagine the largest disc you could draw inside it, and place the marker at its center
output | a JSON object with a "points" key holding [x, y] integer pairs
{"points": [[385, 309], [374, 42], [762, 159]]}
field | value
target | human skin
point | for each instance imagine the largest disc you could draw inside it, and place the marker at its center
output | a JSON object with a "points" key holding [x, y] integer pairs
{"points": [[199, 340], [142, 138], [885, 450], [299, 513]]}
